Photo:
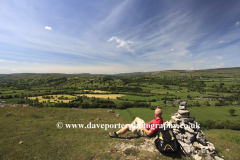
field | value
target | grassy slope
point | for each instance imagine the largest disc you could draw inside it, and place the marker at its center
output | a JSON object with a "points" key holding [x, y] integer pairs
{"points": [[42, 140], [221, 145]]}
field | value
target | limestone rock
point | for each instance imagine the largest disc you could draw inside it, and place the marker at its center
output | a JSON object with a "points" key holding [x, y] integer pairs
{"points": [[190, 136], [187, 147], [189, 130], [210, 146], [191, 119], [182, 107], [196, 145], [208, 157], [187, 141], [218, 158], [182, 104], [174, 120], [183, 111], [201, 137], [197, 157], [179, 137], [184, 120]]}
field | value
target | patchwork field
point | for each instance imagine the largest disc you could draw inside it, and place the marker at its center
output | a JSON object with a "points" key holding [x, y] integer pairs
{"points": [[105, 96], [199, 113], [54, 98], [97, 91]]}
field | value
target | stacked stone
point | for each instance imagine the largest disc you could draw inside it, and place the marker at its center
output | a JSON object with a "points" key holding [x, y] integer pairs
{"points": [[191, 138]]}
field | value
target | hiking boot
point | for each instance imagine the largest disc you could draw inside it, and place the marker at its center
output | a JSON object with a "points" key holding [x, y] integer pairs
{"points": [[113, 134]]}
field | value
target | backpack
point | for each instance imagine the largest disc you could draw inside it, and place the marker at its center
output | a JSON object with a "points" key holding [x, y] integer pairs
{"points": [[166, 141]]}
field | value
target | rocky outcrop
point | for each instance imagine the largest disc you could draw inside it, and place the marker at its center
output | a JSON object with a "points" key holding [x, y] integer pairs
{"points": [[189, 135]]}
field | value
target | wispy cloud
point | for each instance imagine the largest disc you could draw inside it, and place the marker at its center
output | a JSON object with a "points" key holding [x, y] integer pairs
{"points": [[237, 23], [122, 43], [153, 39], [48, 28]]}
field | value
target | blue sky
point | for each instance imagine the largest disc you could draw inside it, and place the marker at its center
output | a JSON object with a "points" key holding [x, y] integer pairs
{"points": [[116, 36]]}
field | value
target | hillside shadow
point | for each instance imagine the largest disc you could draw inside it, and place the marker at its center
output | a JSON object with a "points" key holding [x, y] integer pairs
{"points": [[234, 115]]}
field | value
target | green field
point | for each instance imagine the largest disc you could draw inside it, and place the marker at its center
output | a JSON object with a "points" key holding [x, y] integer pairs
{"points": [[199, 113]]}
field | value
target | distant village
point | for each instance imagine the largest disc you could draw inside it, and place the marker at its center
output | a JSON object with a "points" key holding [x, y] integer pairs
{"points": [[4, 104]]}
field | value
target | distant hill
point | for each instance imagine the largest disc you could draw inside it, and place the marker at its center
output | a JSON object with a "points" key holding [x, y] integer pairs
{"points": [[202, 72]]}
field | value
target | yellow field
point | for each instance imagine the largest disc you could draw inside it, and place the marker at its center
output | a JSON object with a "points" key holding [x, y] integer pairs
{"points": [[111, 96], [97, 91], [54, 99]]}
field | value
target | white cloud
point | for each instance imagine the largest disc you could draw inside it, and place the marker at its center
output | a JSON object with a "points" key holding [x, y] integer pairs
{"points": [[16, 70], [238, 23], [48, 28], [122, 43], [224, 41], [172, 49], [219, 57]]}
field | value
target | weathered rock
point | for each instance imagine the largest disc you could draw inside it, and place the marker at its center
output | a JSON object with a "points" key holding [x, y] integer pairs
{"points": [[184, 120], [182, 107], [201, 137], [190, 136], [174, 120], [110, 111], [190, 119], [208, 157], [188, 148], [210, 146], [178, 115], [176, 131], [189, 130], [182, 104], [196, 145], [218, 158], [175, 127], [179, 137], [197, 157], [203, 147], [187, 141], [182, 125], [184, 112]]}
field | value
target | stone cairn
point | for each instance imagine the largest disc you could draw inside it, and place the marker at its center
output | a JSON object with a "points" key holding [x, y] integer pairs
{"points": [[191, 138]]}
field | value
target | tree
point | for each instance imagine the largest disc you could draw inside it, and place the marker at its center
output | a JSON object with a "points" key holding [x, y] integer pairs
{"points": [[231, 111]]}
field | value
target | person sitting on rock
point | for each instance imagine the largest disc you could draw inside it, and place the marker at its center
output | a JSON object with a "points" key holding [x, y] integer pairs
{"points": [[139, 127]]}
